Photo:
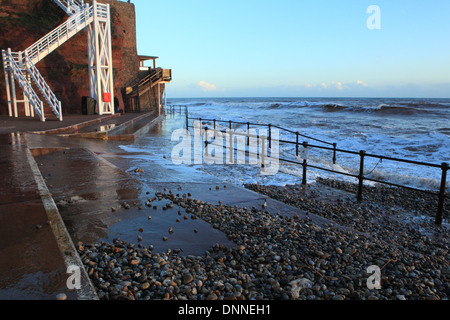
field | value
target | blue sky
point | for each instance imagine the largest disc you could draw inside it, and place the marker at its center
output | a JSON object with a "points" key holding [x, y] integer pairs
{"points": [[293, 48]]}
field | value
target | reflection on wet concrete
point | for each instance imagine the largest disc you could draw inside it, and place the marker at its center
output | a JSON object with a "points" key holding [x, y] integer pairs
{"points": [[29, 267], [103, 203], [85, 189]]}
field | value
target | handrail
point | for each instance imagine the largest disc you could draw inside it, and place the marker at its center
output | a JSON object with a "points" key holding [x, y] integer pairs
{"points": [[70, 6], [52, 40], [13, 67], [266, 125], [362, 154], [152, 78], [53, 101]]}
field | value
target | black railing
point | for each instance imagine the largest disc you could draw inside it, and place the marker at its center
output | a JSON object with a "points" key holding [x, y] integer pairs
{"points": [[173, 109], [363, 155]]}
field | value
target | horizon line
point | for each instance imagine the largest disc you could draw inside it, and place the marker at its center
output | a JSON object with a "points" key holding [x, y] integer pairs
{"points": [[305, 97]]}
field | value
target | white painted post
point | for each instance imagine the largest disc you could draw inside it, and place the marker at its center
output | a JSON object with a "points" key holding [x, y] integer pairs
{"points": [[60, 112], [27, 105], [100, 58], [32, 111], [165, 99], [14, 100], [8, 93], [42, 112], [26, 101], [110, 64], [159, 99], [13, 90], [92, 61], [98, 71]]}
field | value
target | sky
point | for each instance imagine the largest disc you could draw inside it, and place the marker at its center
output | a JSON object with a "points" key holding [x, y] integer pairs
{"points": [[294, 48]]}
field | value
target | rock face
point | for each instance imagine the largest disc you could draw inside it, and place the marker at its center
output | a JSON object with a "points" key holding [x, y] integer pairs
{"points": [[22, 22]]}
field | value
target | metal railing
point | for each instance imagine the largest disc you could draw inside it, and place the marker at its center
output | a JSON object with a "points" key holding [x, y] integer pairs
{"points": [[71, 7], [52, 100], [10, 65], [363, 155], [55, 38]]}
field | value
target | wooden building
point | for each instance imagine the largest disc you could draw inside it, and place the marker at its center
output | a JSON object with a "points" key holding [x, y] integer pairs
{"points": [[147, 91]]}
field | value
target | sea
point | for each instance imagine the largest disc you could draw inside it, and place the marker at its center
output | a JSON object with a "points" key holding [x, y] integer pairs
{"points": [[403, 128]]}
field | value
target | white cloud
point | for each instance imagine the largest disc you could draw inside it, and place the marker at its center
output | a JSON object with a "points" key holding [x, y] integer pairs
{"points": [[361, 83], [337, 85], [206, 86]]}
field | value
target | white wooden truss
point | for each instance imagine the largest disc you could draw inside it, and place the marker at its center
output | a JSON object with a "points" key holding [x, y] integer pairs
{"points": [[19, 67]]}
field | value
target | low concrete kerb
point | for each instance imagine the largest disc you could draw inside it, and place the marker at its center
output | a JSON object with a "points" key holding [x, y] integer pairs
{"points": [[138, 132], [77, 126], [128, 123], [63, 239]]}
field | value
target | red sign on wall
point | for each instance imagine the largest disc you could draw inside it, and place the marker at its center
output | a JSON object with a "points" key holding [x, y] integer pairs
{"points": [[106, 97]]}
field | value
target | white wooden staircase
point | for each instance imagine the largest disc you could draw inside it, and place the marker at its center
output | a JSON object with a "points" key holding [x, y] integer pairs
{"points": [[19, 67]]}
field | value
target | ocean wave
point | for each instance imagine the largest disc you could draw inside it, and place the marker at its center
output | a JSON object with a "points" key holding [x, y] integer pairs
{"points": [[388, 107], [381, 109], [334, 107], [398, 110], [289, 105], [445, 131]]}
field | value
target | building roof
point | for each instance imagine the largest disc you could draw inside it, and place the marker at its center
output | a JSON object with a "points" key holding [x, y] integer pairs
{"points": [[144, 58]]}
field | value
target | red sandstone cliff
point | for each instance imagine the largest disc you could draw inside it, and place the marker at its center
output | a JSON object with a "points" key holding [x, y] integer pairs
{"points": [[22, 22]]}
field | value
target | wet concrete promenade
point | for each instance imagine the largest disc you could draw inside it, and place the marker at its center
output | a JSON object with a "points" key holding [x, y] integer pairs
{"points": [[35, 246], [58, 192]]}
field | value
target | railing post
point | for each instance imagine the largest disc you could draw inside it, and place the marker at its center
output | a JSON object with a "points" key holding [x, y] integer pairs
{"points": [[187, 121], [334, 152], [42, 112], [440, 213], [270, 136], [60, 111], [263, 151], [305, 164], [248, 133], [214, 121], [230, 125], [231, 146], [362, 153], [206, 141], [296, 144]]}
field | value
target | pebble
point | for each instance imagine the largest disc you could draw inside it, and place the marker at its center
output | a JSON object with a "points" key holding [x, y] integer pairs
{"points": [[61, 296], [211, 296], [277, 257]]}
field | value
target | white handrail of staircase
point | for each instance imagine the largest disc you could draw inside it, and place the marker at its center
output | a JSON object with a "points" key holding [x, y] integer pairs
{"points": [[40, 49], [71, 6], [43, 86], [23, 83], [102, 10]]}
